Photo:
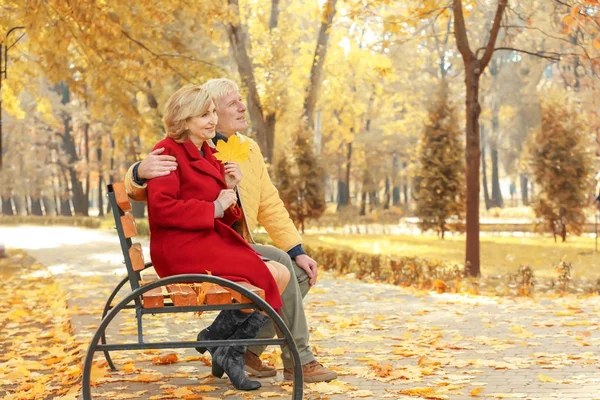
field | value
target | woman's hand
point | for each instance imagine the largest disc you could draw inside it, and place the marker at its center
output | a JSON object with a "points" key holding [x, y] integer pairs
{"points": [[233, 174], [227, 198]]}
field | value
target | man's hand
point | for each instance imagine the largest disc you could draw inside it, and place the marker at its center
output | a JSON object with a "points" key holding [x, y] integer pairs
{"points": [[155, 165], [310, 266], [233, 174]]}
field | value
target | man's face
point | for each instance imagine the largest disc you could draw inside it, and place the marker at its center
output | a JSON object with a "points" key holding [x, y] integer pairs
{"points": [[232, 114]]}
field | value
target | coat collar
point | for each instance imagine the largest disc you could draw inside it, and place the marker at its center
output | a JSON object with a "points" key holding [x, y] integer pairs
{"points": [[207, 164]]}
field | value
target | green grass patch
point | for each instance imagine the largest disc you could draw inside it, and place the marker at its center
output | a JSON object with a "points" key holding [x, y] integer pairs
{"points": [[499, 255]]}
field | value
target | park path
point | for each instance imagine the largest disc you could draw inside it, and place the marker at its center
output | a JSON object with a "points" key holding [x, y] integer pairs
{"points": [[385, 341]]}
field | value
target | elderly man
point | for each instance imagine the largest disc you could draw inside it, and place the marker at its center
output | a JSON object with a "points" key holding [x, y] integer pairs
{"points": [[261, 205]]}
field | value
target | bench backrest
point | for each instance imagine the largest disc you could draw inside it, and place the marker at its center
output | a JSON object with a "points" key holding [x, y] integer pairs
{"points": [[126, 228]]}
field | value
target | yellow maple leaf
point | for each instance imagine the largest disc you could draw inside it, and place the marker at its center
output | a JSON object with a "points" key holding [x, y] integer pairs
{"points": [[475, 392], [232, 150]]}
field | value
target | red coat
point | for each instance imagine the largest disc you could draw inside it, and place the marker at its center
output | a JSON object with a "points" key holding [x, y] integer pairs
{"points": [[185, 237]]}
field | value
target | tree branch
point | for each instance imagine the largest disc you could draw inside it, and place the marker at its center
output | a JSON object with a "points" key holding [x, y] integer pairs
{"points": [[548, 56], [489, 51], [194, 59], [143, 46], [460, 31]]}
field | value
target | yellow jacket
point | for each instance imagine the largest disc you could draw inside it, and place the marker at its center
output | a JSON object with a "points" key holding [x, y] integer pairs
{"points": [[259, 198]]}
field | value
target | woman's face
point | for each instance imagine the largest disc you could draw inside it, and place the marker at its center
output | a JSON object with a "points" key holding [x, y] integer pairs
{"points": [[202, 127]]}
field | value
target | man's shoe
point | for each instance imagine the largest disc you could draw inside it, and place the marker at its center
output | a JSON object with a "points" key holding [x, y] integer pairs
{"points": [[313, 372], [254, 366]]}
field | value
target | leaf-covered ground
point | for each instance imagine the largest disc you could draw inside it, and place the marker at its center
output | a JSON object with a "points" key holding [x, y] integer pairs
{"points": [[385, 341], [39, 355]]}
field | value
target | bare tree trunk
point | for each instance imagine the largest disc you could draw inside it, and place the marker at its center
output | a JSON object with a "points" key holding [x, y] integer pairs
{"points": [[100, 179], [344, 185], [348, 167], [271, 121], [473, 154], [524, 189], [473, 69], [111, 169], [80, 203], [239, 43], [316, 71], [79, 199], [497, 199], [486, 193], [86, 149], [405, 186], [395, 180], [387, 195], [373, 200], [274, 20], [363, 204]]}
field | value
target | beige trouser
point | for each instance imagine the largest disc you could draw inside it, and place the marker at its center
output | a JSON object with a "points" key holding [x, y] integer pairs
{"points": [[292, 311]]}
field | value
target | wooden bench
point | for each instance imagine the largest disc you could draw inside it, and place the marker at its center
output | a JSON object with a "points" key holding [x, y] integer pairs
{"points": [[182, 295], [174, 294]]}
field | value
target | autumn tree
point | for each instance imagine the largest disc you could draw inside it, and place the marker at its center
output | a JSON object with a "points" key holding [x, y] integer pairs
{"points": [[301, 182], [286, 186], [560, 162], [440, 191], [265, 94]]}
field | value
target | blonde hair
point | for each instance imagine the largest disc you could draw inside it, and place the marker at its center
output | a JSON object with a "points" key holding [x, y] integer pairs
{"points": [[188, 102], [220, 87]]}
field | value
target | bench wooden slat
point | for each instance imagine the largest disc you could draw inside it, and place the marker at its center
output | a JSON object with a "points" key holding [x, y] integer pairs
{"points": [[137, 257], [149, 277], [153, 298], [182, 295], [216, 294], [243, 299], [129, 227], [121, 196]]}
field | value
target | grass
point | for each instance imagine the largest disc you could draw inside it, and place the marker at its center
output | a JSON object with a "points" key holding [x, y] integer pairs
{"points": [[499, 255]]}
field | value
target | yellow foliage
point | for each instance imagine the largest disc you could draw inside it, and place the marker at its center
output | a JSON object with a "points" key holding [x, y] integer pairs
{"points": [[11, 103], [233, 150]]}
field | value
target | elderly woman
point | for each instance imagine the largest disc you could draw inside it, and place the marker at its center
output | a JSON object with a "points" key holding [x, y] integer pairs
{"points": [[190, 212]]}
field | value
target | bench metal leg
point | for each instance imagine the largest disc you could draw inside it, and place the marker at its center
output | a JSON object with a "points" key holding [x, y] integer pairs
{"points": [[189, 278], [104, 312]]}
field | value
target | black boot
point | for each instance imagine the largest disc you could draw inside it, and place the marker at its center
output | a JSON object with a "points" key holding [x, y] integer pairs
{"points": [[231, 359], [225, 325]]}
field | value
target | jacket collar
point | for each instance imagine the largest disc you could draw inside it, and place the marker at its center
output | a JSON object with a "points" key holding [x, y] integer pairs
{"points": [[219, 136], [207, 164]]}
